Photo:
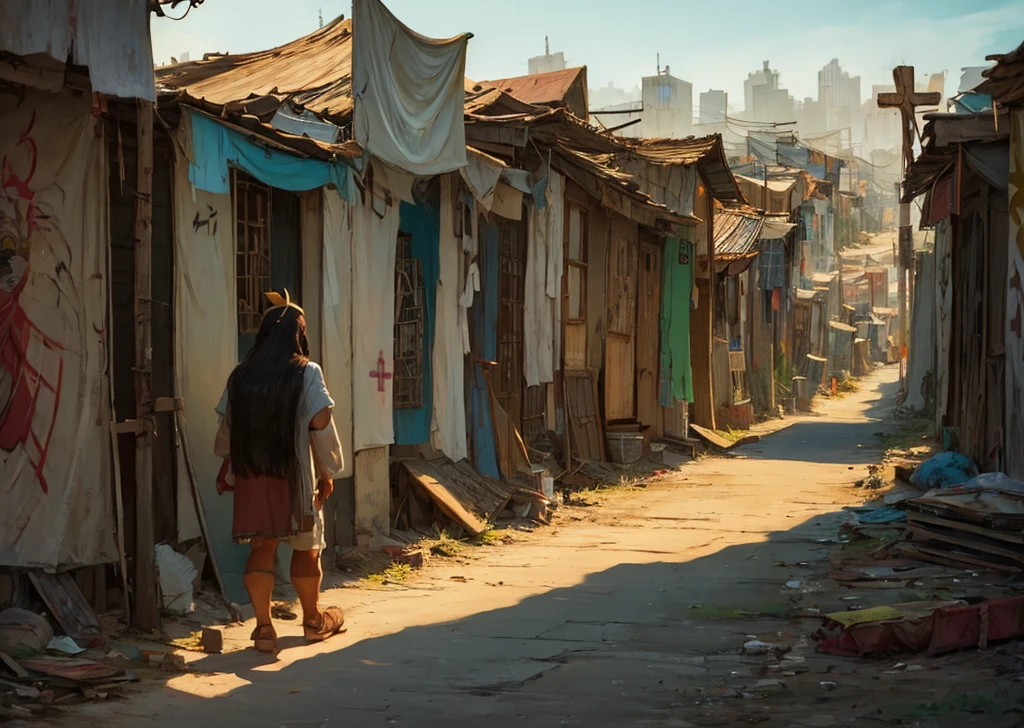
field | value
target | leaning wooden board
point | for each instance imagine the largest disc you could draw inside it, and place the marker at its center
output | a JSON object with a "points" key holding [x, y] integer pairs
{"points": [[67, 604], [426, 477], [718, 441]]}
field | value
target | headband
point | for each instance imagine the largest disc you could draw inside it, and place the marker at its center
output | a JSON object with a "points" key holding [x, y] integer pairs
{"points": [[277, 302]]}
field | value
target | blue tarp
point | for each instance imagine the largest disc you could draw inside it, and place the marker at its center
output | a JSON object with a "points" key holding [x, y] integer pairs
{"points": [[215, 148], [412, 426], [485, 346]]}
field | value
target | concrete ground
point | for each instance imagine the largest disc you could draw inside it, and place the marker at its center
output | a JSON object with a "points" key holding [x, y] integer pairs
{"points": [[632, 612]]}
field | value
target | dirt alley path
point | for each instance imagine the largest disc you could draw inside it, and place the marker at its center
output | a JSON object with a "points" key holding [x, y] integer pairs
{"points": [[631, 614]]}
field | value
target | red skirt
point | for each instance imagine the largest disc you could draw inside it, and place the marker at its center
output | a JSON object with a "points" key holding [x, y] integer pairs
{"points": [[262, 508]]}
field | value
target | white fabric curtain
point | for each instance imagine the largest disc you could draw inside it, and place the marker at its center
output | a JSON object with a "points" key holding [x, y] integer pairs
{"points": [[409, 92], [54, 397], [205, 353], [448, 433], [538, 308], [110, 37], [373, 321], [336, 337], [556, 239]]}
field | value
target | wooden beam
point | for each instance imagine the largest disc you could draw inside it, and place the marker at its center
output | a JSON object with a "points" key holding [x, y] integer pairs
{"points": [[147, 614]]}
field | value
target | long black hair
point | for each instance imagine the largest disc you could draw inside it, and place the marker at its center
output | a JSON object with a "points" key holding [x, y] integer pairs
{"points": [[263, 397]]}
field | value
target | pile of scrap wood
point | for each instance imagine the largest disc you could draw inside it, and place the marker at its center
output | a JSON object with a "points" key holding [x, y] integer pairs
{"points": [[979, 525], [436, 492]]}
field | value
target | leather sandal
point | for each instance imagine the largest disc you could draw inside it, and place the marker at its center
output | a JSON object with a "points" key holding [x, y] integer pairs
{"points": [[264, 638], [332, 622]]}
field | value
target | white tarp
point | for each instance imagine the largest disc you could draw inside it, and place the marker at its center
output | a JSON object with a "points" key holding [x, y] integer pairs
{"points": [[1014, 436], [55, 478], [336, 338], [206, 350], [110, 37], [538, 313], [481, 174], [409, 92], [373, 320], [542, 300], [448, 430], [556, 238]]}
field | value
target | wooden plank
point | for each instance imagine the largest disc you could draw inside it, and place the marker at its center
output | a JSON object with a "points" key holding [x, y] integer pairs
{"points": [[964, 543], [1014, 537], [67, 604], [147, 614], [70, 668], [951, 558], [713, 437], [11, 664], [584, 418], [431, 481]]}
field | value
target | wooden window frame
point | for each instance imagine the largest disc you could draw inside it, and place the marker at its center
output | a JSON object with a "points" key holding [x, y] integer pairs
{"points": [[410, 321], [252, 255], [580, 263]]}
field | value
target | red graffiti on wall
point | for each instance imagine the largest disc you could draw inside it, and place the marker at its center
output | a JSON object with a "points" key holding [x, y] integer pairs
{"points": [[31, 364]]}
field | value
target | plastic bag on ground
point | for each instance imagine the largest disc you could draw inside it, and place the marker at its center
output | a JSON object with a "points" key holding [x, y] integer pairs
{"points": [[177, 573], [23, 633], [944, 471]]}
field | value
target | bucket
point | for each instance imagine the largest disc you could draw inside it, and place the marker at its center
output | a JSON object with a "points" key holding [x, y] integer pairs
{"points": [[625, 447], [538, 477]]}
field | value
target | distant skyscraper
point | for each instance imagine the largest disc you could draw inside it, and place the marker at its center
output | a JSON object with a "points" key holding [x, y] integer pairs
{"points": [[838, 92], [548, 62], [668, 106], [764, 99], [714, 106]]}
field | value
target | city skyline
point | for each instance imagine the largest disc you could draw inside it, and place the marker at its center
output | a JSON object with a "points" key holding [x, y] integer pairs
{"points": [[622, 48]]}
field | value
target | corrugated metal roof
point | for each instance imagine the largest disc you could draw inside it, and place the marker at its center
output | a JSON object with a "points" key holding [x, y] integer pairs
{"points": [[736, 234], [314, 72], [1005, 80], [546, 89], [707, 152]]}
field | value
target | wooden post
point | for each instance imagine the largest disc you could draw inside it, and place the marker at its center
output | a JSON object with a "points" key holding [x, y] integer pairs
{"points": [[906, 99], [146, 611]]}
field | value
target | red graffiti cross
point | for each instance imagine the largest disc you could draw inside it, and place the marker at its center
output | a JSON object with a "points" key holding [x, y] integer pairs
{"points": [[379, 373]]}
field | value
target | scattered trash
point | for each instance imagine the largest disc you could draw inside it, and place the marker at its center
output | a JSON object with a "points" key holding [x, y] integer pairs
{"points": [[406, 555], [23, 633], [22, 691], [794, 584], [66, 645], [177, 575], [944, 470], [70, 668], [828, 685], [883, 514], [757, 647]]}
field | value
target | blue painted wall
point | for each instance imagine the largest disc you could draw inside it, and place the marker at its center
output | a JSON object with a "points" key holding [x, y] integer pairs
{"points": [[422, 222]]}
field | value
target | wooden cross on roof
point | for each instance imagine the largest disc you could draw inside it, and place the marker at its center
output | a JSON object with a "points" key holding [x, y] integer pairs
{"points": [[907, 99]]}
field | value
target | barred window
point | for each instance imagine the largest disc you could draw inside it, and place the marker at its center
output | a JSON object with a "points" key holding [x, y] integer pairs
{"points": [[410, 315], [252, 254]]}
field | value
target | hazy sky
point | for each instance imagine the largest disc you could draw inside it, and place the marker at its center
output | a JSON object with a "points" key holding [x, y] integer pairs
{"points": [[710, 44]]}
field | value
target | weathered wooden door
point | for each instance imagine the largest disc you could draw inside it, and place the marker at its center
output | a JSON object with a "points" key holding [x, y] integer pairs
{"points": [[574, 312], [620, 348], [647, 336]]}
